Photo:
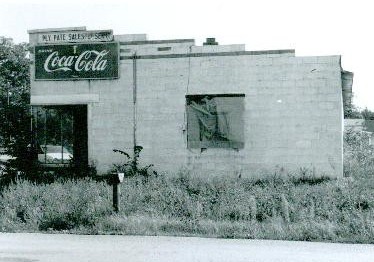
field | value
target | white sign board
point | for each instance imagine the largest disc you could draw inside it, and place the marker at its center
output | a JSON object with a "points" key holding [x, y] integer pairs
{"points": [[76, 37]]}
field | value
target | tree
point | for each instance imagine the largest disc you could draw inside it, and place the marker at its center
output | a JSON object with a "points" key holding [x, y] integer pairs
{"points": [[15, 133], [352, 112], [367, 114]]}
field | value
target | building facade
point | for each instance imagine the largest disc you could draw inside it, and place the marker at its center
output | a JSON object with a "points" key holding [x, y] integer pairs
{"points": [[211, 109]]}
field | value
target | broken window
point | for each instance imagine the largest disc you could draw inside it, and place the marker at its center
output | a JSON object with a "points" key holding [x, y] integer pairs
{"points": [[215, 121]]}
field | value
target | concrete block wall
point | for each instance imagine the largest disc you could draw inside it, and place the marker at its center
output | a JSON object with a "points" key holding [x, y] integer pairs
{"points": [[217, 48], [110, 116], [292, 119], [111, 119], [158, 48]]}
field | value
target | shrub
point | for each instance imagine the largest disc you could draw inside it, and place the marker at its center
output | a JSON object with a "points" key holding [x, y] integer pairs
{"points": [[130, 165], [358, 154], [58, 206]]}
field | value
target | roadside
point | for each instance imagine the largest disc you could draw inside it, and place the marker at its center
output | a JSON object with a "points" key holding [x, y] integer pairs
{"points": [[80, 248]]}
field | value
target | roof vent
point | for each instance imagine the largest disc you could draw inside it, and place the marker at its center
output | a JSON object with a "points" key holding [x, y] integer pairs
{"points": [[210, 41]]}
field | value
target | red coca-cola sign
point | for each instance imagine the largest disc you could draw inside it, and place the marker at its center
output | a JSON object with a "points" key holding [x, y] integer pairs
{"points": [[76, 61]]}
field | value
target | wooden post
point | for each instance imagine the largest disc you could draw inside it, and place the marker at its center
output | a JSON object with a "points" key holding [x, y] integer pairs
{"points": [[115, 196], [115, 180]]}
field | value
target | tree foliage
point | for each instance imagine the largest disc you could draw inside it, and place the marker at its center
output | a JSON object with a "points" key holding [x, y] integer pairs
{"points": [[367, 114], [15, 134], [352, 112]]}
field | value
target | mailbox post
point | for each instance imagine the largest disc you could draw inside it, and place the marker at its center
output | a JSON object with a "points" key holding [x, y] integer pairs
{"points": [[117, 178]]}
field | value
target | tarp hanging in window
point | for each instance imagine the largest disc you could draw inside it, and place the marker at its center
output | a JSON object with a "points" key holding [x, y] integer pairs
{"points": [[215, 121]]}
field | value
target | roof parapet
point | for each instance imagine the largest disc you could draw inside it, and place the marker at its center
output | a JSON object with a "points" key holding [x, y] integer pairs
{"points": [[59, 29]]}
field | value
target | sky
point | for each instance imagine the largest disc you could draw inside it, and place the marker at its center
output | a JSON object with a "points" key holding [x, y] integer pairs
{"points": [[312, 28]]}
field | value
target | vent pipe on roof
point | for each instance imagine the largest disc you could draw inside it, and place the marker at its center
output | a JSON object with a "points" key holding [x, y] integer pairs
{"points": [[210, 41]]}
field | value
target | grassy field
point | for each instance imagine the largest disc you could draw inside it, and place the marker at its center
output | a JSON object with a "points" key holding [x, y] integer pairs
{"points": [[273, 207]]}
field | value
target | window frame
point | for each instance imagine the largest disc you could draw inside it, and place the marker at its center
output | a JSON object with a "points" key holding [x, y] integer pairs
{"points": [[214, 143], [41, 124]]}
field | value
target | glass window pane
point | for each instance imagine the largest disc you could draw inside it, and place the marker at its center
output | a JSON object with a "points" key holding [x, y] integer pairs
{"points": [[53, 130]]}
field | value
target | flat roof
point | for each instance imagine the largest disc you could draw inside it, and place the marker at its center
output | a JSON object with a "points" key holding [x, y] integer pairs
{"points": [[151, 42], [235, 53]]}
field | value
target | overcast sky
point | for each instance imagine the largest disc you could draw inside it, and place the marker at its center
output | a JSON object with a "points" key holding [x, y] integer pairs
{"points": [[318, 27]]}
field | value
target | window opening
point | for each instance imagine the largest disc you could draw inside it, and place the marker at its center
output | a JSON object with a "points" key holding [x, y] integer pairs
{"points": [[53, 131], [215, 121]]}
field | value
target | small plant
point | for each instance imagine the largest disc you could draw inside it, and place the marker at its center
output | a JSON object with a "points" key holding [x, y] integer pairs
{"points": [[131, 164]]}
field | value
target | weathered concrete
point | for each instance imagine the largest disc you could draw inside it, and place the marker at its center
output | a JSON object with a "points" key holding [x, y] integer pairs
{"points": [[293, 108]]}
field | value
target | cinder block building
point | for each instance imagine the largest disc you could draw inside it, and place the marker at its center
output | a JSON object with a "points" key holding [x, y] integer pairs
{"points": [[211, 108]]}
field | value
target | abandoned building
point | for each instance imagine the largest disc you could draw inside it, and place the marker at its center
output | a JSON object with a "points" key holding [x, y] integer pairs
{"points": [[211, 108]]}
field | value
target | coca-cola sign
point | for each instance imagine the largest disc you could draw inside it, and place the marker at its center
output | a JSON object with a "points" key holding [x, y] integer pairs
{"points": [[76, 61]]}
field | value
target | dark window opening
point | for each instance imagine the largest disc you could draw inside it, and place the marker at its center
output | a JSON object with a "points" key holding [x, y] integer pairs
{"points": [[127, 50], [215, 121], [60, 135], [166, 48]]}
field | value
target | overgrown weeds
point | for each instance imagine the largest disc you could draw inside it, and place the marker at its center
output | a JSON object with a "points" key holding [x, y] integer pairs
{"points": [[330, 210], [298, 207], [358, 155], [57, 206]]}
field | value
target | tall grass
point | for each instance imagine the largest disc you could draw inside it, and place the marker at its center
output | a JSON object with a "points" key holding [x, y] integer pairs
{"points": [[273, 208], [58, 206], [299, 207]]}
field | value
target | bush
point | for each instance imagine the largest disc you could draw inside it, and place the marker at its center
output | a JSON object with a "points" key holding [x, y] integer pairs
{"points": [[358, 155], [57, 206]]}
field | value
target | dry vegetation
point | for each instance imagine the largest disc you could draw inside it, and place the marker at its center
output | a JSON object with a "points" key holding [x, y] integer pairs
{"points": [[274, 207]]}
